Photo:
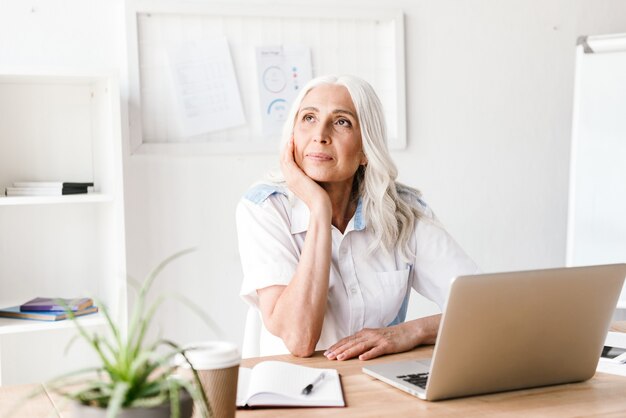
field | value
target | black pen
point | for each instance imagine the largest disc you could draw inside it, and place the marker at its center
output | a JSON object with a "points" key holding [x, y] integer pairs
{"points": [[309, 388]]}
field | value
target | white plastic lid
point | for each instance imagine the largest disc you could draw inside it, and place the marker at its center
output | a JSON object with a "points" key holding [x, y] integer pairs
{"points": [[210, 355]]}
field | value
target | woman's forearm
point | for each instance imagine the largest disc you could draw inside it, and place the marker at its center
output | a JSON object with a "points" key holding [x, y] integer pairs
{"points": [[298, 310], [423, 330]]}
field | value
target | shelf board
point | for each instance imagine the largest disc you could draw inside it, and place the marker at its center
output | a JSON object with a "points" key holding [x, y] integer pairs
{"points": [[45, 200], [10, 326]]}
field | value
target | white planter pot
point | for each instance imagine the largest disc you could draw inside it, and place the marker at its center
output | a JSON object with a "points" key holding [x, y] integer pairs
{"points": [[79, 410]]}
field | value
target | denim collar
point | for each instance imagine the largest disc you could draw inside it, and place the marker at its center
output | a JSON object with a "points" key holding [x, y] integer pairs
{"points": [[300, 217]]}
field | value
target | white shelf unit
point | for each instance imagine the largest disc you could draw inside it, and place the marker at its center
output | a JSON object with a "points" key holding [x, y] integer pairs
{"points": [[59, 127], [30, 200]]}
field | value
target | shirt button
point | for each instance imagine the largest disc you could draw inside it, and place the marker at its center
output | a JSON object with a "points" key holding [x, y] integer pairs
{"points": [[353, 290]]}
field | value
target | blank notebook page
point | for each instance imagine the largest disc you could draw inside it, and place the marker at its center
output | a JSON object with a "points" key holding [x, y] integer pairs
{"points": [[287, 380]]}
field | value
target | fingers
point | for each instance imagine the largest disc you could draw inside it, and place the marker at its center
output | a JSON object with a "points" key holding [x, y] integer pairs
{"points": [[376, 351], [288, 151], [287, 155], [346, 350], [365, 344], [290, 168], [340, 346]]}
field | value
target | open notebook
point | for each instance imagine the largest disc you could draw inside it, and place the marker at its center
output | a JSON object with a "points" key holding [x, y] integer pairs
{"points": [[276, 383]]}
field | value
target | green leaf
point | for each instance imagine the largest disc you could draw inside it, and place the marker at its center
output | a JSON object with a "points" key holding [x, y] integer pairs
{"points": [[117, 399], [112, 327], [198, 395], [174, 398], [144, 324], [201, 398], [141, 363], [151, 402]]}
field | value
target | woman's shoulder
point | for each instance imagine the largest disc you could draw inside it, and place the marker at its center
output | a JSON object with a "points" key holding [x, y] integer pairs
{"points": [[413, 198], [264, 200], [260, 192]]}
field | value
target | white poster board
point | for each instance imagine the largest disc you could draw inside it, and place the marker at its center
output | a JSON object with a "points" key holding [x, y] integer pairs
{"points": [[366, 42], [597, 202]]}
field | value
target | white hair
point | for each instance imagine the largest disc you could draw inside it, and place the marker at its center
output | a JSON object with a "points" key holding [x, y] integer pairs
{"points": [[389, 207]]}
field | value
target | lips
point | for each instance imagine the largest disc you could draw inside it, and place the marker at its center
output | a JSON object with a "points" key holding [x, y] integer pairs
{"points": [[319, 156]]}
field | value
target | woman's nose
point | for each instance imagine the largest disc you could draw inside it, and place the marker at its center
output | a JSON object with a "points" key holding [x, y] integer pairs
{"points": [[322, 135]]}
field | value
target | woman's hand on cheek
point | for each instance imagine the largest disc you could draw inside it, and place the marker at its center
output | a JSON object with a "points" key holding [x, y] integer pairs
{"points": [[298, 182], [288, 164], [371, 343]]}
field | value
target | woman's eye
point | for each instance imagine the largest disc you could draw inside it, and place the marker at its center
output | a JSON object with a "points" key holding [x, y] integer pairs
{"points": [[308, 118], [344, 123]]}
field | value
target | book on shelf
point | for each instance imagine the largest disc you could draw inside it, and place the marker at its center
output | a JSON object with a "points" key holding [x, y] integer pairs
{"points": [[47, 188], [14, 312], [56, 304], [52, 184], [19, 191], [277, 383]]}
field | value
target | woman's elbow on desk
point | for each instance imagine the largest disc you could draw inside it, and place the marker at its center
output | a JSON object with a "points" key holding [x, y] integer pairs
{"points": [[301, 351], [299, 341], [299, 344]]}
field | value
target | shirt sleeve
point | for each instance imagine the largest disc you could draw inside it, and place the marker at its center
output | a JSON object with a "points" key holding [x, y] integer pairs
{"points": [[268, 252], [439, 259]]}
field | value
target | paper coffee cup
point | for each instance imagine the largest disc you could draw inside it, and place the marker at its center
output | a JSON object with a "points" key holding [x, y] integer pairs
{"points": [[217, 364]]}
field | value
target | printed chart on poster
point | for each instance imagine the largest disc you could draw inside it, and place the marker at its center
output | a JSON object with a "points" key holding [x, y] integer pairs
{"points": [[204, 83], [282, 71]]}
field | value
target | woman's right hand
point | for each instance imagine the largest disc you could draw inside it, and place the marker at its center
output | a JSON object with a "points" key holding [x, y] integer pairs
{"points": [[300, 329], [311, 193]]}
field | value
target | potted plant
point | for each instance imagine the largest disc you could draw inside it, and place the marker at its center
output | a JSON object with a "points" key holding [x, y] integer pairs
{"points": [[135, 378]]}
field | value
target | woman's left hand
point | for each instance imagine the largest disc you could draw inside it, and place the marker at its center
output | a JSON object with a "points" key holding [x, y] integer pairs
{"points": [[370, 343]]}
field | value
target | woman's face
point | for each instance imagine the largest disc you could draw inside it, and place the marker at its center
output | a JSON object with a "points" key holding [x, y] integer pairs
{"points": [[327, 135]]}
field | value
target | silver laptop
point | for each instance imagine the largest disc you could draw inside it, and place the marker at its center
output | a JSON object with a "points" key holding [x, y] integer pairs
{"points": [[518, 330]]}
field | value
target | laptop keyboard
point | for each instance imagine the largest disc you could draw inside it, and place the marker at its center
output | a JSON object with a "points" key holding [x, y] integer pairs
{"points": [[418, 379]]}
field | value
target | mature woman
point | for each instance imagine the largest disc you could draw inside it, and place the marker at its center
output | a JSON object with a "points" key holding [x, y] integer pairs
{"points": [[331, 251]]}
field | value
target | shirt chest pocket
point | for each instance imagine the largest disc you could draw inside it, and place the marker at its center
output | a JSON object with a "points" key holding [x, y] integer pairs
{"points": [[390, 291]]}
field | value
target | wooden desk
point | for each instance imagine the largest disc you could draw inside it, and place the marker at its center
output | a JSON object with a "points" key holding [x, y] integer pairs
{"points": [[602, 396]]}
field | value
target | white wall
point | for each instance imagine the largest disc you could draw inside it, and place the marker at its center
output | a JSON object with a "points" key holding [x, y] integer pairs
{"points": [[490, 87]]}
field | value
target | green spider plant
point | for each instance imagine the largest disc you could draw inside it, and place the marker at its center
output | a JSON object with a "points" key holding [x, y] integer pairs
{"points": [[134, 373]]}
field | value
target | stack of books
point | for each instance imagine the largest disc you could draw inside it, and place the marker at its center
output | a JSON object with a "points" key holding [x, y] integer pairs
{"points": [[50, 309], [47, 188]]}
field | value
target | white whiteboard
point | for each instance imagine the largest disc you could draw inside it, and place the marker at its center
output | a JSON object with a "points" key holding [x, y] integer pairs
{"points": [[597, 201], [363, 42]]}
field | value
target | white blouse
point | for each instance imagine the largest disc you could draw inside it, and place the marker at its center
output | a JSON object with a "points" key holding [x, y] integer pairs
{"points": [[366, 289]]}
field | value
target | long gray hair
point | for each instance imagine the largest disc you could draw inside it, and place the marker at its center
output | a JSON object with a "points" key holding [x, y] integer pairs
{"points": [[390, 214]]}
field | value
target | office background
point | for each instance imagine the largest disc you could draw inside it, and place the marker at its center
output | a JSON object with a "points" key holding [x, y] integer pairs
{"points": [[489, 107]]}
